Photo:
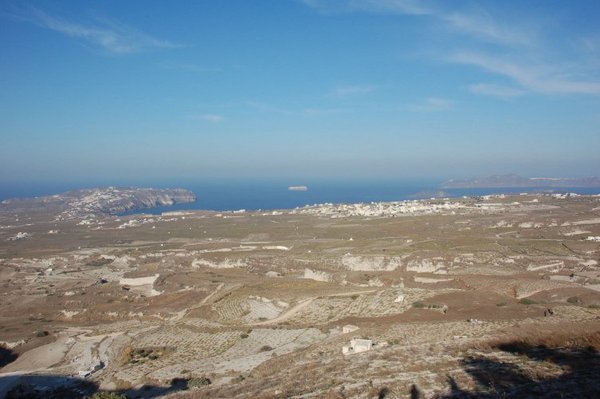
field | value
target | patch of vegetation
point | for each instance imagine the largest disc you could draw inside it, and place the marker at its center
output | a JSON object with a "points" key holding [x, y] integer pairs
{"points": [[527, 301], [594, 306], [573, 300], [421, 305], [198, 382], [141, 355], [266, 348], [500, 304], [99, 262]]}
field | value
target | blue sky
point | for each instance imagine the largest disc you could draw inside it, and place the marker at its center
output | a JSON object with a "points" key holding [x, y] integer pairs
{"points": [[114, 90]]}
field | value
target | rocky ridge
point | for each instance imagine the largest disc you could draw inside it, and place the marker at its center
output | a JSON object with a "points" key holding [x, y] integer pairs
{"points": [[95, 202]]}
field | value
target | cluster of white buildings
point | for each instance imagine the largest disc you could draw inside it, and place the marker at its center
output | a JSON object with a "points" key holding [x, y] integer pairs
{"points": [[19, 236], [380, 209]]}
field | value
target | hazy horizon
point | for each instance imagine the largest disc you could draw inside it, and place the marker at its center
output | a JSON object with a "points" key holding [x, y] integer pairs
{"points": [[107, 91]]}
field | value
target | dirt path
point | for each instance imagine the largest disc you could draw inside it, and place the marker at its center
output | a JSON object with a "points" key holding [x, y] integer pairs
{"points": [[350, 293]]}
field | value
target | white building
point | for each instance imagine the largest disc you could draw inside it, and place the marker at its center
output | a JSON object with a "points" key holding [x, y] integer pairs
{"points": [[357, 346], [348, 328]]}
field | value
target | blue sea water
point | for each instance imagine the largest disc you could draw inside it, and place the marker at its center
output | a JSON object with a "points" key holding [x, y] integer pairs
{"points": [[227, 195], [253, 195]]}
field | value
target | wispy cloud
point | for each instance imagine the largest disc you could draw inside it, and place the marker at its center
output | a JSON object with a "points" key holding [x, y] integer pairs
{"points": [[262, 107], [186, 66], [542, 78], [324, 111], [495, 90], [352, 90], [482, 26], [407, 7], [213, 118], [523, 52], [479, 24], [299, 112], [433, 104], [109, 35]]}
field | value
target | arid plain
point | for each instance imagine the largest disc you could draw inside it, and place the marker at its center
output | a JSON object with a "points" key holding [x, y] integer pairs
{"points": [[494, 296]]}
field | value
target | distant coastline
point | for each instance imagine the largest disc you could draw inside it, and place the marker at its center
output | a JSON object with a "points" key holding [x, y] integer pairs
{"points": [[272, 195], [516, 181]]}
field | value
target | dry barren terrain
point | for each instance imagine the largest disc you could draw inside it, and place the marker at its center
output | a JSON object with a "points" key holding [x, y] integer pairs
{"points": [[474, 297]]}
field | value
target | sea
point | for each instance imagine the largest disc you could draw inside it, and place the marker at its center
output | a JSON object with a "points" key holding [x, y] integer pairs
{"points": [[230, 195]]}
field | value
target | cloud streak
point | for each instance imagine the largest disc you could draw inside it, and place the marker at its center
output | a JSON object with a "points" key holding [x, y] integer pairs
{"points": [[521, 52], [406, 7], [433, 104], [186, 67], [352, 90], [107, 35], [539, 78], [482, 26], [213, 118], [494, 90]]}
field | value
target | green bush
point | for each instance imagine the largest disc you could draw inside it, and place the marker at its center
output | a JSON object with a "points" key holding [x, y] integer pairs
{"points": [[198, 382], [573, 299], [527, 301]]}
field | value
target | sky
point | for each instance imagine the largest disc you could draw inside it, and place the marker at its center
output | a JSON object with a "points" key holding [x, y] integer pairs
{"points": [[342, 89]]}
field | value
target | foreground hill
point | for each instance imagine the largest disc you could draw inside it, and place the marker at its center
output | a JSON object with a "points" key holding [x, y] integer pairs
{"points": [[494, 296]]}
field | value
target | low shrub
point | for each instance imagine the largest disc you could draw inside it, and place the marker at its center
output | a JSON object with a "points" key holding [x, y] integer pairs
{"points": [[198, 382], [573, 299], [527, 301]]}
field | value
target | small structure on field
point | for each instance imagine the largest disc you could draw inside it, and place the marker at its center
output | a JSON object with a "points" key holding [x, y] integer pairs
{"points": [[348, 328], [357, 346]]}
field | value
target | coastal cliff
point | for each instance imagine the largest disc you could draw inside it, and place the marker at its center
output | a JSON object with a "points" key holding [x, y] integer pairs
{"points": [[97, 201]]}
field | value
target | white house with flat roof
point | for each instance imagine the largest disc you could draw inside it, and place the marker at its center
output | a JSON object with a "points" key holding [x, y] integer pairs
{"points": [[357, 345], [348, 328]]}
